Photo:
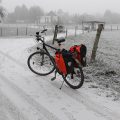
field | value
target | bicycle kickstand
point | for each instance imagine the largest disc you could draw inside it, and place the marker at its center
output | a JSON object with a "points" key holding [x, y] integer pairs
{"points": [[52, 79], [62, 85]]}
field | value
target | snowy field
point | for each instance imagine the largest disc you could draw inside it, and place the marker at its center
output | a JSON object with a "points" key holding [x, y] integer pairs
{"points": [[106, 70], [26, 96]]}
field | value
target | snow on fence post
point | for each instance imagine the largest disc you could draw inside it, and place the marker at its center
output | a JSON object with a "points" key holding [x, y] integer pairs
{"points": [[95, 46]]}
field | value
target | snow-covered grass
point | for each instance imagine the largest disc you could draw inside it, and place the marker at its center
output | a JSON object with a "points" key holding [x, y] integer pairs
{"points": [[105, 71], [26, 96]]}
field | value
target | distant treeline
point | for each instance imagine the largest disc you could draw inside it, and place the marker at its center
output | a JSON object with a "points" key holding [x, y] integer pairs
{"points": [[34, 13], [22, 13], [111, 17]]}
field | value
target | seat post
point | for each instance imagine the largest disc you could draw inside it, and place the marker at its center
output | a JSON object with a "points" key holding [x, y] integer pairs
{"points": [[59, 44]]}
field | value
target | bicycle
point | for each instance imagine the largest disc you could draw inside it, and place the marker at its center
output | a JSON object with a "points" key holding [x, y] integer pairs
{"points": [[43, 63]]}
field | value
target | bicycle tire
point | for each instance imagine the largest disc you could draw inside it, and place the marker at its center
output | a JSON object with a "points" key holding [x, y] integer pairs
{"points": [[79, 77], [40, 68]]}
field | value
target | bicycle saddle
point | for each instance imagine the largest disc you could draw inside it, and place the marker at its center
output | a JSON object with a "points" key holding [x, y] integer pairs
{"points": [[60, 40]]}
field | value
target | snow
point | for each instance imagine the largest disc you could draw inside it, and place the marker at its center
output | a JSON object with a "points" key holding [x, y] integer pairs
{"points": [[26, 96]]}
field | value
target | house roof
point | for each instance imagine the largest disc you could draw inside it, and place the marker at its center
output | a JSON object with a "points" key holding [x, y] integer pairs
{"points": [[94, 21], [51, 13]]}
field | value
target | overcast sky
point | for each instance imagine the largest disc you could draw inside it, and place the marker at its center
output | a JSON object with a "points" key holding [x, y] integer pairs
{"points": [[71, 6]]}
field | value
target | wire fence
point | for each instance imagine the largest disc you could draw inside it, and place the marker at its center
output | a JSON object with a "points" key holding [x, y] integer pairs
{"points": [[30, 29]]}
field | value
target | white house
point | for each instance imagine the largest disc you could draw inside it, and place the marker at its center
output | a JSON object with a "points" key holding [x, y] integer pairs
{"points": [[49, 18]]}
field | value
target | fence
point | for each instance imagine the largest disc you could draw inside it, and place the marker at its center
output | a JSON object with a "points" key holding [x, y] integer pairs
{"points": [[111, 27], [18, 30], [27, 30], [30, 29]]}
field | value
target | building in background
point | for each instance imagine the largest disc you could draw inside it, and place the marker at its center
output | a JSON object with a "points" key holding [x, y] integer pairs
{"points": [[48, 19], [91, 25]]}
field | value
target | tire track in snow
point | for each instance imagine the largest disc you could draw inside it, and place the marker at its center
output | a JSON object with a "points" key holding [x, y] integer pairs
{"points": [[67, 113], [99, 109], [79, 97], [9, 110], [12, 59], [43, 111], [30, 100]]}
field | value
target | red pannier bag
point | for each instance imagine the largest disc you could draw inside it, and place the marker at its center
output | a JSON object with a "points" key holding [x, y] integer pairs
{"points": [[60, 63], [64, 62], [80, 51]]}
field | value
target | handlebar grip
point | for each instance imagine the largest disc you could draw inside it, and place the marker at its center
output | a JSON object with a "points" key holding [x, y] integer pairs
{"points": [[44, 31], [37, 33]]}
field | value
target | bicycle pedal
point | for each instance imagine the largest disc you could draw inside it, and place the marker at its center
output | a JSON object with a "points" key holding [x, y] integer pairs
{"points": [[52, 79]]}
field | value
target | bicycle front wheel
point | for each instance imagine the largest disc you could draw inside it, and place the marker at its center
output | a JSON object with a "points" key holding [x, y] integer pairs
{"points": [[76, 79], [40, 63]]}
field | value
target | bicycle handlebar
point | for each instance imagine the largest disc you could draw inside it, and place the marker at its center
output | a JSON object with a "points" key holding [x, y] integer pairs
{"points": [[40, 38], [43, 30]]}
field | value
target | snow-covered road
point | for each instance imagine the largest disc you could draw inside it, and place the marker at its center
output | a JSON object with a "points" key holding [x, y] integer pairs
{"points": [[26, 96]]}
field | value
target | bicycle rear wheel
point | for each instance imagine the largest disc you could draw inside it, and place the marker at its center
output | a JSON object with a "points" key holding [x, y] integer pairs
{"points": [[40, 63], [75, 80]]}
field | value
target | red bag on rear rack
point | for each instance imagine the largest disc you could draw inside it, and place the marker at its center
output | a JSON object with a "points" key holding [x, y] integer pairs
{"points": [[81, 51], [64, 61], [60, 63]]}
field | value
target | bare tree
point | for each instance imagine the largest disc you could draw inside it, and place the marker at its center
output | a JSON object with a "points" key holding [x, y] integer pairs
{"points": [[2, 11], [35, 12]]}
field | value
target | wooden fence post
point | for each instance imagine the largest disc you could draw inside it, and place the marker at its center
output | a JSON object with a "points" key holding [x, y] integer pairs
{"points": [[55, 33], [1, 32], [26, 30], [17, 31], [82, 27], [95, 46], [75, 31], [66, 32], [111, 27]]}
